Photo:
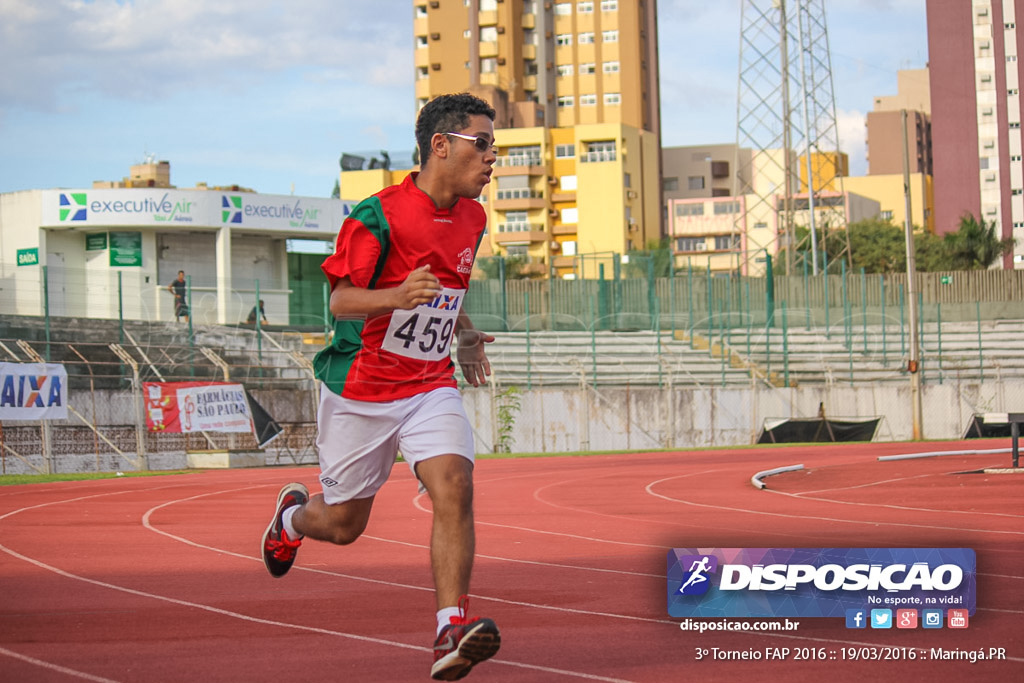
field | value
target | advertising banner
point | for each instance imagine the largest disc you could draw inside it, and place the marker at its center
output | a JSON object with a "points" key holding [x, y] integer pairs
{"points": [[165, 208], [185, 407], [33, 391], [819, 582]]}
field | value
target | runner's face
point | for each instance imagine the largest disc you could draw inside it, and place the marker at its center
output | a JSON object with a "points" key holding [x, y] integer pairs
{"points": [[471, 167]]}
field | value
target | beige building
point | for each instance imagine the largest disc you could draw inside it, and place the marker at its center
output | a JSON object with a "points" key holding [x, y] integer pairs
{"points": [[885, 127]]}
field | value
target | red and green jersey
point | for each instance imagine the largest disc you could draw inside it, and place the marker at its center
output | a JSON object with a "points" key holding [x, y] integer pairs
{"points": [[387, 236]]}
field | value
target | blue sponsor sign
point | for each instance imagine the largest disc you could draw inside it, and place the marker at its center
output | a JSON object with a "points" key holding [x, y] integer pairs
{"points": [[818, 582]]}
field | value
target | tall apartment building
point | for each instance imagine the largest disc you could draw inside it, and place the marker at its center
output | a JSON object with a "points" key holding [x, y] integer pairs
{"points": [[594, 61], [885, 126], [575, 87], [885, 135], [973, 50]]}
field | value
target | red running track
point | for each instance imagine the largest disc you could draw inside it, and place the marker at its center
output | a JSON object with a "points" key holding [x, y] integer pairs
{"points": [[159, 578]]}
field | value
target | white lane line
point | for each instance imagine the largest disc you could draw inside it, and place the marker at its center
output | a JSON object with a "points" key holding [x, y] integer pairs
{"points": [[55, 667], [650, 490]]}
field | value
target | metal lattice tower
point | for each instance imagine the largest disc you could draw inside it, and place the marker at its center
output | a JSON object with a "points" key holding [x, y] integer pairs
{"points": [[786, 115]]}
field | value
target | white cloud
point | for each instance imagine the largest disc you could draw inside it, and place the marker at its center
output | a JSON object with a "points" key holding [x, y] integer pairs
{"points": [[149, 49], [853, 139]]}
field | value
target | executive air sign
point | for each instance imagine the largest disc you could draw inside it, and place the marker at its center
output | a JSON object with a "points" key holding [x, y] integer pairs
{"points": [[817, 582], [171, 208]]}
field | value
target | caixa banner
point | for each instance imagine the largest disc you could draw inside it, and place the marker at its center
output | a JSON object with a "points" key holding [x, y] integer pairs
{"points": [[816, 582], [33, 391]]}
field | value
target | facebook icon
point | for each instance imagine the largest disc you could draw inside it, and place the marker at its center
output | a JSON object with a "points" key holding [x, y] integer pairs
{"points": [[856, 618]]}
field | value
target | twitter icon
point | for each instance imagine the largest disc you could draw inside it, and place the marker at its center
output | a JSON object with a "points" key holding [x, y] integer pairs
{"points": [[881, 618]]}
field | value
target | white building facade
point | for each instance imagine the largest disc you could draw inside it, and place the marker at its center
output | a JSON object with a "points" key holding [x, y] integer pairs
{"points": [[109, 253]]}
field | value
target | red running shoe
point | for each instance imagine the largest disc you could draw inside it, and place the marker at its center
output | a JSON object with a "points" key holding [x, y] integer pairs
{"points": [[463, 644], [278, 550]]}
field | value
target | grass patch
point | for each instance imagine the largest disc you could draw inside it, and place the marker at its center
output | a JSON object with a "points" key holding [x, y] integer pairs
{"points": [[17, 479]]}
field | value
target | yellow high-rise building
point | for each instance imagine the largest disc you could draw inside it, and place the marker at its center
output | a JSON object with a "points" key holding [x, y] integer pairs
{"points": [[556, 64], [575, 88]]}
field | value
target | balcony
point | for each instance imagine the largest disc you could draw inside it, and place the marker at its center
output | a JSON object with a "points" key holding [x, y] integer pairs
{"points": [[520, 164], [519, 233], [597, 157], [488, 49], [567, 229], [510, 200]]}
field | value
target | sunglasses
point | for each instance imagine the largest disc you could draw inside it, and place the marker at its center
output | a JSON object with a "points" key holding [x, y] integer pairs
{"points": [[483, 145]]}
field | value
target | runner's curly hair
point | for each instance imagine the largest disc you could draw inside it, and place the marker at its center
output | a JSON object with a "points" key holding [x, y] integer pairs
{"points": [[447, 114]]}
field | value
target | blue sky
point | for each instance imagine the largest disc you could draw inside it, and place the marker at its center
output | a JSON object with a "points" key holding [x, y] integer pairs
{"points": [[267, 94]]}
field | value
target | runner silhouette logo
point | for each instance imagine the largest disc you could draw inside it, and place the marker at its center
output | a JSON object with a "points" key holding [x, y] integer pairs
{"points": [[696, 581]]}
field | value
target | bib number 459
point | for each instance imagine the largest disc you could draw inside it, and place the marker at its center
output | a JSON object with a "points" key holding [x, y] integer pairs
{"points": [[436, 334]]}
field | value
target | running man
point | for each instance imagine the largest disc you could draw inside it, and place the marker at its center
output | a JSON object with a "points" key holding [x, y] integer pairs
{"points": [[398, 278]]}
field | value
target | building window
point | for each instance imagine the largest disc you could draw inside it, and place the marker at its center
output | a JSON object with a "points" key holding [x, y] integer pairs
{"points": [[587, 68], [421, 41], [726, 242], [1011, 58], [885, 215], [588, 100], [570, 216], [691, 244], [422, 73], [421, 11], [760, 224], [1015, 157], [609, 5], [564, 70], [695, 209], [611, 67], [586, 38], [722, 208], [1015, 124], [567, 183], [610, 36], [488, 34], [612, 98], [670, 184], [602, 150], [563, 39], [584, 7], [565, 101], [565, 151], [563, 9], [521, 156], [695, 182], [488, 65]]}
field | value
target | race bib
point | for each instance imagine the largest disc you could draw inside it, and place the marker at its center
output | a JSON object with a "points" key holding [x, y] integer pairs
{"points": [[425, 332]]}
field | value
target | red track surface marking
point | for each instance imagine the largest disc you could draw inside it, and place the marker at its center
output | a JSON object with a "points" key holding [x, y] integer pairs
{"points": [[159, 579]]}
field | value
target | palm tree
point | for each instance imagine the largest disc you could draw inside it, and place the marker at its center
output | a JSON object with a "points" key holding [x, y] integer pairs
{"points": [[976, 245]]}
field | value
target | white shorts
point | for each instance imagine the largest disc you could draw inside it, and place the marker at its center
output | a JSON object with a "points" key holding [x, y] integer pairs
{"points": [[359, 441]]}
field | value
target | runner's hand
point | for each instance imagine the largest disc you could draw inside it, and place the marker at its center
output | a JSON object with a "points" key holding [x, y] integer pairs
{"points": [[472, 357], [420, 287]]}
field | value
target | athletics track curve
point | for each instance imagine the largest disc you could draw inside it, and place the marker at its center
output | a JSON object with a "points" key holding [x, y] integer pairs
{"points": [[159, 579]]}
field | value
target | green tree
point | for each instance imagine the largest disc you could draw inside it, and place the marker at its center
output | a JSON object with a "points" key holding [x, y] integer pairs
{"points": [[657, 252], [976, 245], [491, 267]]}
